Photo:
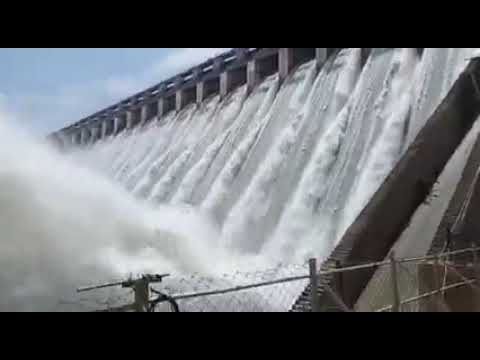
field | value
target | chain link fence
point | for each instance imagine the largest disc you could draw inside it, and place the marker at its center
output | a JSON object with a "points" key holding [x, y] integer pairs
{"points": [[273, 290], [444, 282], [439, 282]]}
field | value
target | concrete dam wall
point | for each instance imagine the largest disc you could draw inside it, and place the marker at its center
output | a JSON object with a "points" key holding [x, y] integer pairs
{"points": [[282, 149], [220, 75]]}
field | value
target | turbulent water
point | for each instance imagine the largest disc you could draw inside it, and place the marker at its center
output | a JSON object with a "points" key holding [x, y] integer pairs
{"points": [[234, 184]]}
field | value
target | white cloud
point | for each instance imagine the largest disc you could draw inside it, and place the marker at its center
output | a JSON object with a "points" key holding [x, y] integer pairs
{"points": [[174, 63], [183, 59], [47, 112]]}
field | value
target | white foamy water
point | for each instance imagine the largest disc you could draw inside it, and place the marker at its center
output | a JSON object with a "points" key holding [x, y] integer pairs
{"points": [[235, 184], [64, 226]]}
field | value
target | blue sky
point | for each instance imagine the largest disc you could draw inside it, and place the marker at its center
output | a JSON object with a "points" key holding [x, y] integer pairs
{"points": [[45, 89]]}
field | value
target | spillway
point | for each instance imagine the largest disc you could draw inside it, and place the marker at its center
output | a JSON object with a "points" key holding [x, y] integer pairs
{"points": [[281, 172]]}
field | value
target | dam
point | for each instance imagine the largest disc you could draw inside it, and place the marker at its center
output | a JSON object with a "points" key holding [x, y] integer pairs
{"points": [[297, 152], [220, 76]]}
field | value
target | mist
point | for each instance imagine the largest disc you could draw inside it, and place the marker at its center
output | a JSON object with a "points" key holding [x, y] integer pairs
{"points": [[236, 184], [63, 226]]}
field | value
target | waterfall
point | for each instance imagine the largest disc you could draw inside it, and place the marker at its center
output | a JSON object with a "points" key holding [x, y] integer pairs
{"points": [[246, 181]]}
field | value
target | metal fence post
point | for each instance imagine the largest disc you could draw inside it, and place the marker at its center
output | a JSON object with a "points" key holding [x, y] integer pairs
{"points": [[395, 292], [476, 269], [439, 296], [314, 285], [142, 294]]}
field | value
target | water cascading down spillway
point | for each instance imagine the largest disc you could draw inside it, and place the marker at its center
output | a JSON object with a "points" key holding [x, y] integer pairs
{"points": [[282, 169]]}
